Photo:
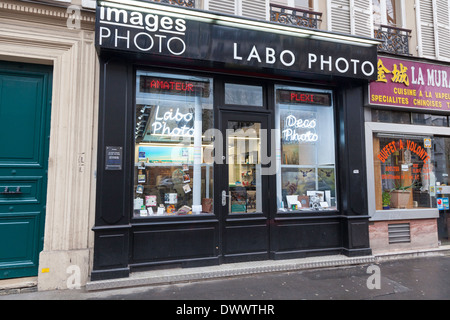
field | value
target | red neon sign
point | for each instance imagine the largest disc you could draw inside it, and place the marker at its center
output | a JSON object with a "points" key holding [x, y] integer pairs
{"points": [[302, 97], [173, 86]]}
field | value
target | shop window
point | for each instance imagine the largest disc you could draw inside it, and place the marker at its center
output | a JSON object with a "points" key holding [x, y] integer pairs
{"points": [[391, 116], [429, 119], [173, 172], [243, 95], [404, 172], [305, 119]]}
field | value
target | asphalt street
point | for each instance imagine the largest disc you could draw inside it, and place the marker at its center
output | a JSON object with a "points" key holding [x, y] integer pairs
{"points": [[424, 278]]}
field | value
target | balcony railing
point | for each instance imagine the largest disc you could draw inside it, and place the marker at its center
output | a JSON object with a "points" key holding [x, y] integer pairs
{"points": [[395, 40], [295, 17], [181, 3]]}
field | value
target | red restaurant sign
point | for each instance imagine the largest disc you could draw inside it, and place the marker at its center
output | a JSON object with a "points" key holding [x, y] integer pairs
{"points": [[404, 83]]}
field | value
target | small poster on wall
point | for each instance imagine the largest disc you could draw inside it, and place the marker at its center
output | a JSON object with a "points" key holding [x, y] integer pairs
{"points": [[113, 158]]}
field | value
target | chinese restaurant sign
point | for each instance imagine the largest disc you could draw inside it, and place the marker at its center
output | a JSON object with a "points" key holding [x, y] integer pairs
{"points": [[403, 83]]}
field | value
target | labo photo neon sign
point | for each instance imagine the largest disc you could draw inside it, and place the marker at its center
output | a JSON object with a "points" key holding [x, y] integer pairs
{"points": [[160, 125], [292, 123]]}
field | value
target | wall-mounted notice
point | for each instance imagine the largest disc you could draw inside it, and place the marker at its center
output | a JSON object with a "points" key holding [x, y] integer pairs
{"points": [[113, 159]]}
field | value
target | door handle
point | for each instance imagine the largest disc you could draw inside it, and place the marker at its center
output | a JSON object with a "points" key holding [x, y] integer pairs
{"points": [[224, 198]]}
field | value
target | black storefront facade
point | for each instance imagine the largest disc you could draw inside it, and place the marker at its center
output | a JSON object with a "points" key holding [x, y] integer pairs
{"points": [[223, 139]]}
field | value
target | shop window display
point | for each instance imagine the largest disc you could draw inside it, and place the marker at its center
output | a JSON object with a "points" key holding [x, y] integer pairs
{"points": [[404, 172], [173, 172], [244, 166], [307, 179]]}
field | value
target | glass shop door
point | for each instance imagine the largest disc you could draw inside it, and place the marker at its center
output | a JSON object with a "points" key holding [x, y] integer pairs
{"points": [[441, 147], [244, 187]]}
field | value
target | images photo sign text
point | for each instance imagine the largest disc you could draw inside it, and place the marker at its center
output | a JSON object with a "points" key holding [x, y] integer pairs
{"points": [[186, 39]]}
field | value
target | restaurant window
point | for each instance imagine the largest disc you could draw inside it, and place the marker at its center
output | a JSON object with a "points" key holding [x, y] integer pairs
{"points": [[404, 171], [173, 172], [429, 119], [305, 119], [389, 116]]}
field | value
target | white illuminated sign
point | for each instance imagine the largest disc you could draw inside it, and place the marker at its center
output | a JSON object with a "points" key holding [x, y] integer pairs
{"points": [[161, 127], [291, 135], [291, 121]]}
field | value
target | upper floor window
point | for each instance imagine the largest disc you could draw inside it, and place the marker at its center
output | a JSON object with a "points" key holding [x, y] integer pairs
{"points": [[299, 4], [303, 4], [387, 19], [385, 12]]}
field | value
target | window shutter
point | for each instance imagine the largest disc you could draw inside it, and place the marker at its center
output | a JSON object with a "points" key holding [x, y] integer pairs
{"points": [[223, 6], [280, 2], [351, 17], [339, 16], [362, 24], [443, 29], [256, 9], [426, 35]]}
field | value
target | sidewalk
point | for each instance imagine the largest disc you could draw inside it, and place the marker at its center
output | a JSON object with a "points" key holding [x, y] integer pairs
{"points": [[27, 288], [171, 276]]}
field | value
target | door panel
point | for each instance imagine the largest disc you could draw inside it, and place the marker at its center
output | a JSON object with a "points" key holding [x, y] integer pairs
{"points": [[19, 230], [245, 238], [245, 214], [25, 92], [21, 119]]}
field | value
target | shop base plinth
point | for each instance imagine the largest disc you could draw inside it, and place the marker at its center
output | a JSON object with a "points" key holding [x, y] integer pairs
{"points": [[99, 275]]}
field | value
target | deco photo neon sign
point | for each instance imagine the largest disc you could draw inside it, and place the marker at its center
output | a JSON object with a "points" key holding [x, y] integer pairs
{"points": [[291, 124]]}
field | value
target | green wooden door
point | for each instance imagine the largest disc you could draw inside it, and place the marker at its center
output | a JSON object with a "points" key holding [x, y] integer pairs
{"points": [[25, 93]]}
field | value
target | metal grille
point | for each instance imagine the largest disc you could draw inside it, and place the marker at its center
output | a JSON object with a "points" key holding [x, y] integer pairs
{"points": [[295, 16], [181, 3], [399, 233], [395, 40]]}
